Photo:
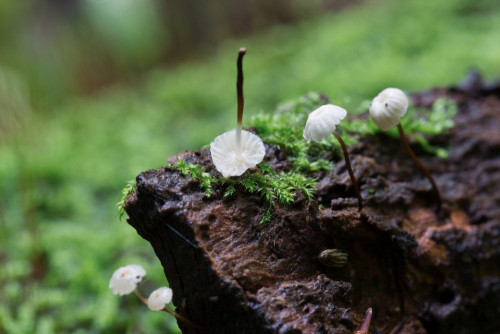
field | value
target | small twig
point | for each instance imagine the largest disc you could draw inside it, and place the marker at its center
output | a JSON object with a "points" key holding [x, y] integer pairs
{"points": [[365, 325], [351, 173], [420, 166]]}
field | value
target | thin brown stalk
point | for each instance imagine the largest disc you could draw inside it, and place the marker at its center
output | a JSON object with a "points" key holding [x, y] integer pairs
{"points": [[420, 166], [141, 297], [351, 173], [181, 318], [239, 93], [239, 84]]}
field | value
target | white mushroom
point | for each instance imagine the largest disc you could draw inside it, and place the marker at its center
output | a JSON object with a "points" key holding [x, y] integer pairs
{"points": [[233, 160], [159, 298], [125, 279], [320, 124], [388, 107], [386, 110], [322, 121], [235, 151]]}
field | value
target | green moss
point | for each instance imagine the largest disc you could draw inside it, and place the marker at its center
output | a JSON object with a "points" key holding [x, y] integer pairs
{"points": [[197, 173], [438, 120], [127, 190], [274, 188]]}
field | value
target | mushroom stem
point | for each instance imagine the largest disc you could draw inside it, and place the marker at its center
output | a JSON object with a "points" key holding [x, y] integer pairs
{"points": [[168, 310], [181, 318], [141, 297], [420, 166], [349, 169], [365, 325], [239, 93]]}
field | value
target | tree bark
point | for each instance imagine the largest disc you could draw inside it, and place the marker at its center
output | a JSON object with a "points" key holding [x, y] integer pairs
{"points": [[421, 272]]}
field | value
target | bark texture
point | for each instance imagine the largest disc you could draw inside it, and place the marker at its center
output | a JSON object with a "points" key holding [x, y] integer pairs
{"points": [[421, 272]]}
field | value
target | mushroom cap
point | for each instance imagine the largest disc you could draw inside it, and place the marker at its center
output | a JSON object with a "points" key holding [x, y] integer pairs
{"points": [[322, 121], [125, 279], [233, 161], [159, 298], [388, 107]]}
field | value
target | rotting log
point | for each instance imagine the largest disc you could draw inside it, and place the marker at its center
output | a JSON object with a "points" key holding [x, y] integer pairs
{"points": [[421, 272]]}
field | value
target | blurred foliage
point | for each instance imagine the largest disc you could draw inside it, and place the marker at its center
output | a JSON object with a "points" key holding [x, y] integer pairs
{"points": [[72, 47], [64, 161]]}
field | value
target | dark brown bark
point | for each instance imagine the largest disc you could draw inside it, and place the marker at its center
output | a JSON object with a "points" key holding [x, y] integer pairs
{"points": [[419, 271]]}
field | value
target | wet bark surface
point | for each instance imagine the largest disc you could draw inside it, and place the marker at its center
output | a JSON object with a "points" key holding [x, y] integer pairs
{"points": [[421, 272]]}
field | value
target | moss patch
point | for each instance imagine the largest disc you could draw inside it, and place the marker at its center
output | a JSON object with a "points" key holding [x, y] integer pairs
{"points": [[274, 188]]}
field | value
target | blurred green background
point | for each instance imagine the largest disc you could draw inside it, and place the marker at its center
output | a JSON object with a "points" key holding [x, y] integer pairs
{"points": [[92, 92]]}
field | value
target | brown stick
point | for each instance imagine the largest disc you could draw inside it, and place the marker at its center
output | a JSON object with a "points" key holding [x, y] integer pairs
{"points": [[351, 173], [239, 84], [420, 166], [365, 325]]}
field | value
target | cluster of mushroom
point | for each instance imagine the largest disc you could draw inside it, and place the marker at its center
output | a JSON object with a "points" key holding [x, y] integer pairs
{"points": [[235, 151], [125, 280]]}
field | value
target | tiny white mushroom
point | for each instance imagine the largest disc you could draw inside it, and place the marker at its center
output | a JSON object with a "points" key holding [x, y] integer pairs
{"points": [[125, 279], [159, 298], [320, 124], [233, 160], [322, 121], [235, 151], [388, 107], [386, 110]]}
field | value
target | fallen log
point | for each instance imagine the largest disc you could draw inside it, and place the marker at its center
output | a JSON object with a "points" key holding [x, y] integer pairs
{"points": [[420, 271]]}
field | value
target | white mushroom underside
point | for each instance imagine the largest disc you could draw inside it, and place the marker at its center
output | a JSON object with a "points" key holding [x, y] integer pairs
{"points": [[322, 121], [233, 161], [388, 108]]}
